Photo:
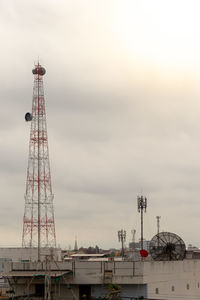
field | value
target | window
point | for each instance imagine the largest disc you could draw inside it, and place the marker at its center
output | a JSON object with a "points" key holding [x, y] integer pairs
{"points": [[188, 286], [157, 291], [173, 288], [39, 290]]}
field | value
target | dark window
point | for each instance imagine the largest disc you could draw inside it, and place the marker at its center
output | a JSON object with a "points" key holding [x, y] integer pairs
{"points": [[39, 290], [188, 286], [173, 288], [157, 291], [84, 292]]}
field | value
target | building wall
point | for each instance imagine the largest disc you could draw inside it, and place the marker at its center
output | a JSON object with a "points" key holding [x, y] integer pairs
{"points": [[62, 292], [86, 272], [27, 288], [167, 280], [29, 254], [131, 290], [172, 280]]}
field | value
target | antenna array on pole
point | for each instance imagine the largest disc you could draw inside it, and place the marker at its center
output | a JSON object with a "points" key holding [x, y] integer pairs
{"points": [[142, 206], [122, 238]]}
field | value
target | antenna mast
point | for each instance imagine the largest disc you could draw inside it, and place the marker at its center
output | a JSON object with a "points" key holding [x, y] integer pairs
{"points": [[158, 224], [122, 238], [142, 206], [38, 221]]}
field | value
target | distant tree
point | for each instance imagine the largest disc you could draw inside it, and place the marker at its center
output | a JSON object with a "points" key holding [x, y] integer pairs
{"points": [[83, 250], [97, 249], [91, 250], [112, 254]]}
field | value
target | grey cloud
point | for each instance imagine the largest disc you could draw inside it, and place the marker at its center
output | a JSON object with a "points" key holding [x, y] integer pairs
{"points": [[116, 125]]}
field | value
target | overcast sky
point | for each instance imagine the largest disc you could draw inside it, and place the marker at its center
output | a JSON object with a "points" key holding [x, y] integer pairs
{"points": [[122, 93]]}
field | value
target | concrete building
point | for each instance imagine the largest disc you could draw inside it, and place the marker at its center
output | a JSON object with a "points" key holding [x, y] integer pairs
{"points": [[167, 280]]}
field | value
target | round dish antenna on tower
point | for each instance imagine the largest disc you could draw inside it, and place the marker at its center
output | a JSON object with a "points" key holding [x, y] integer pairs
{"points": [[167, 246], [28, 117]]}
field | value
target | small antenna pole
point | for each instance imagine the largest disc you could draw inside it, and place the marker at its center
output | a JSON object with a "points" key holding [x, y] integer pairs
{"points": [[142, 206], [158, 224], [133, 231], [122, 238]]}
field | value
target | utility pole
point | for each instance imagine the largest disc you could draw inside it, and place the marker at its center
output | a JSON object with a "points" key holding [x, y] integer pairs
{"points": [[122, 238], [142, 206], [158, 224], [133, 231]]}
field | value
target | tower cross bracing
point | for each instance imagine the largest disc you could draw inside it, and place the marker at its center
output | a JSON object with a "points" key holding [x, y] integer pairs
{"points": [[38, 221]]}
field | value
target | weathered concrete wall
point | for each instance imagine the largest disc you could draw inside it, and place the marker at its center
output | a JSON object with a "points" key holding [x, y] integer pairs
{"points": [[173, 279], [159, 280], [61, 290], [85, 272], [58, 291], [131, 290], [31, 254], [99, 291]]}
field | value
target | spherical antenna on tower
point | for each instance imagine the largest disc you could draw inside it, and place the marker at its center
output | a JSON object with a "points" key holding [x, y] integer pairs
{"points": [[144, 253], [39, 70]]}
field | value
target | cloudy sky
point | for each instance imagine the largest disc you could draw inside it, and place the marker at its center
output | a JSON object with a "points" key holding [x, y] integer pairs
{"points": [[122, 93]]}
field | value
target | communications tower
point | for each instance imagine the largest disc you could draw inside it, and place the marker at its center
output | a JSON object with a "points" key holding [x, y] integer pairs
{"points": [[38, 221], [142, 206]]}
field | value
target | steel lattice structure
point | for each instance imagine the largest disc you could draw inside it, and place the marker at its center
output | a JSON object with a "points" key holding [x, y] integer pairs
{"points": [[38, 221]]}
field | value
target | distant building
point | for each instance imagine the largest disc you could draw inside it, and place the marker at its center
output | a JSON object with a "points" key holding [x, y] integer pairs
{"points": [[137, 245], [191, 247]]}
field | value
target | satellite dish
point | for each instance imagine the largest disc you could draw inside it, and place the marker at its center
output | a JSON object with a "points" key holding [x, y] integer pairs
{"points": [[28, 117], [167, 246]]}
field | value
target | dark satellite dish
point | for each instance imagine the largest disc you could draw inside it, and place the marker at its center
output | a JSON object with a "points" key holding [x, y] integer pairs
{"points": [[167, 246], [28, 117]]}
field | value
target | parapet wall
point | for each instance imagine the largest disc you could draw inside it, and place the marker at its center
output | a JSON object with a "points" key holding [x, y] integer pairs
{"points": [[83, 272]]}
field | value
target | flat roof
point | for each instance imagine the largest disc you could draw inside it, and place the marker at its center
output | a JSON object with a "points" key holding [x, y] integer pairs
{"points": [[35, 273], [87, 255]]}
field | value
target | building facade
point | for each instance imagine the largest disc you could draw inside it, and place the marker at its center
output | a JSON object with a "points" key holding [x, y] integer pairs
{"points": [[77, 280]]}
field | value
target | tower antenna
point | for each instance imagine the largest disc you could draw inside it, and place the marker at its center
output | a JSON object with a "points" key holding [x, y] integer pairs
{"points": [[122, 238], [38, 221], [142, 206]]}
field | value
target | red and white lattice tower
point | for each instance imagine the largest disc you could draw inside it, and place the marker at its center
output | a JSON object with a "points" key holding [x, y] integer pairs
{"points": [[38, 222]]}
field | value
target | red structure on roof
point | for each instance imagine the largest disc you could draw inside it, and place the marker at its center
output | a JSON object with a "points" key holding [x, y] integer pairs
{"points": [[38, 222]]}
